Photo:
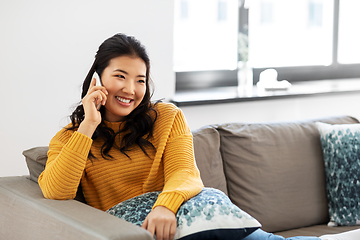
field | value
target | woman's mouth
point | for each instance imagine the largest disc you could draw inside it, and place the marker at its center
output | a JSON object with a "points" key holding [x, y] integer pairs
{"points": [[124, 101]]}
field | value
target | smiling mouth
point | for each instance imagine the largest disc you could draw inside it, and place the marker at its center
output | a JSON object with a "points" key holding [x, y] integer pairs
{"points": [[124, 100]]}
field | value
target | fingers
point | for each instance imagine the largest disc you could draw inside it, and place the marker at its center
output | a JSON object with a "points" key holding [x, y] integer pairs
{"points": [[92, 84], [172, 231], [158, 229], [145, 223], [97, 97], [101, 97], [93, 87], [162, 223], [96, 94], [149, 227], [166, 232]]}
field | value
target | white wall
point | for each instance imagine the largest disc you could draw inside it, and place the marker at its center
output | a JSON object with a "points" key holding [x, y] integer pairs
{"points": [[46, 49]]}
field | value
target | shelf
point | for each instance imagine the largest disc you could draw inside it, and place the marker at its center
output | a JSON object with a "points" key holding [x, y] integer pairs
{"points": [[232, 94]]}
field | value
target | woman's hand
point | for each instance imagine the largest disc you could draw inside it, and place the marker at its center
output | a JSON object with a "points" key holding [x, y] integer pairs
{"points": [[95, 95], [162, 222]]}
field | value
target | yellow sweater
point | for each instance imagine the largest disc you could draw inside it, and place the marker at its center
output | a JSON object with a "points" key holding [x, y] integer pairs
{"points": [[171, 167]]}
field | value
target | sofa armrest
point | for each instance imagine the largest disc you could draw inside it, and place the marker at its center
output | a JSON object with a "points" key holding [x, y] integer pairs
{"points": [[26, 214]]}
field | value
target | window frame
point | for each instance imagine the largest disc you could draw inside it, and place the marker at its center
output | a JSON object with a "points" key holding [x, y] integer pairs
{"points": [[196, 80]]}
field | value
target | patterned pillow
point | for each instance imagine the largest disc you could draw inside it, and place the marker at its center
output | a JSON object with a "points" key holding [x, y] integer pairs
{"points": [[341, 151], [208, 215]]}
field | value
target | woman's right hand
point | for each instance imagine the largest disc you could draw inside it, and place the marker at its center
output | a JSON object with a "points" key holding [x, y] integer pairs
{"points": [[95, 95]]}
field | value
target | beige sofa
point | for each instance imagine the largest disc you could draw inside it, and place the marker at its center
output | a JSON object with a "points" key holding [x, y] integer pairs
{"points": [[273, 171]]}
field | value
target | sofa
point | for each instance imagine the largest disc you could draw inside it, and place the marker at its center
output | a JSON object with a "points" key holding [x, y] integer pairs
{"points": [[273, 171]]}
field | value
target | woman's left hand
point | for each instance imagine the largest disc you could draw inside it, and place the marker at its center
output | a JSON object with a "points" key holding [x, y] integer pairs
{"points": [[162, 222]]}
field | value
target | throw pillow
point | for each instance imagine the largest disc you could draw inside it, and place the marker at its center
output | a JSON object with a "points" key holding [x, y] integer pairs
{"points": [[36, 160], [208, 215], [341, 152]]}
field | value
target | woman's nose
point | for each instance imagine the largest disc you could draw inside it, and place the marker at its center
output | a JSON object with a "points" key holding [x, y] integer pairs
{"points": [[128, 87]]}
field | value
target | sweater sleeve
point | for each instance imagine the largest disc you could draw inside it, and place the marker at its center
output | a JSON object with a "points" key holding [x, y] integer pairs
{"points": [[182, 177], [67, 155]]}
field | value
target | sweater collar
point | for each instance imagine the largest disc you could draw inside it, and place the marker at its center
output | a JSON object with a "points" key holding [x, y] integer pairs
{"points": [[113, 125]]}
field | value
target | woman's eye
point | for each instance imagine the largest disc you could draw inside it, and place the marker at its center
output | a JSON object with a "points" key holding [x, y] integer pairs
{"points": [[141, 81], [120, 76]]}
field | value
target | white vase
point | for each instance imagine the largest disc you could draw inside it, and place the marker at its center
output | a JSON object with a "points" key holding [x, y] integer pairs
{"points": [[245, 79]]}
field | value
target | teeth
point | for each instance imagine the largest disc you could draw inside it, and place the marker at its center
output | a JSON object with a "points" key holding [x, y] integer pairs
{"points": [[123, 100]]}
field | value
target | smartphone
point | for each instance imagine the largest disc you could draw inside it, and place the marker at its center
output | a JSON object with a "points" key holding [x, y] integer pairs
{"points": [[98, 83], [96, 76]]}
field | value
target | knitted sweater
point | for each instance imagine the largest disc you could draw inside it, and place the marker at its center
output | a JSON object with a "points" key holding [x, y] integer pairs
{"points": [[170, 168]]}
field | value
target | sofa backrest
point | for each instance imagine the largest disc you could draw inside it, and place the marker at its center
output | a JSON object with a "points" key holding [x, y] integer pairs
{"points": [[208, 157], [273, 171]]}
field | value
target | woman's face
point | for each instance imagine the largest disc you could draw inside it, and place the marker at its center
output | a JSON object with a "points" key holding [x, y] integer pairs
{"points": [[125, 80]]}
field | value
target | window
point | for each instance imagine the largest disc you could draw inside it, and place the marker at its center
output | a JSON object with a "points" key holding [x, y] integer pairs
{"points": [[290, 33], [302, 39], [206, 35], [349, 39]]}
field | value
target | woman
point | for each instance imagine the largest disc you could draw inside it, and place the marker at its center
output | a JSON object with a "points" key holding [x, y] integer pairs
{"points": [[129, 146]]}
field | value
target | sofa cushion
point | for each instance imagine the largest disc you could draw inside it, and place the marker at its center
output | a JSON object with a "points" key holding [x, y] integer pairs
{"points": [[318, 230], [275, 171], [341, 152], [208, 157]]}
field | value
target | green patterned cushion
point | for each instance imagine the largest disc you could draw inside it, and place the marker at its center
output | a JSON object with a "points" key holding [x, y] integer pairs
{"points": [[208, 215], [341, 152]]}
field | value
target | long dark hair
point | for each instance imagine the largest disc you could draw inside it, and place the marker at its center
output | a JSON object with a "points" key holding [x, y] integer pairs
{"points": [[138, 125]]}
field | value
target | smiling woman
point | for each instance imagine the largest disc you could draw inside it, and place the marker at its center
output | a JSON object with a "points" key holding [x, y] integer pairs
{"points": [[125, 81]]}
